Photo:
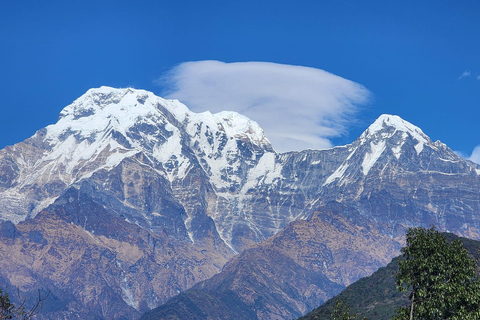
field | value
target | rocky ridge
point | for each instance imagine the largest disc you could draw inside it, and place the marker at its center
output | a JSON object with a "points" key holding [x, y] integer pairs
{"points": [[290, 273], [377, 296], [95, 265], [213, 185], [221, 167]]}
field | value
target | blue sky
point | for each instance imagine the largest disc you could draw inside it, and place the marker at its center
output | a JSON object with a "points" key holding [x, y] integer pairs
{"points": [[417, 59]]}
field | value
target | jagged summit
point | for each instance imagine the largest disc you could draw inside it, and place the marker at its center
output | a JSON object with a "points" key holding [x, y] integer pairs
{"points": [[393, 142], [121, 108], [113, 102], [395, 134], [106, 128], [118, 123], [387, 125], [206, 186], [217, 165]]}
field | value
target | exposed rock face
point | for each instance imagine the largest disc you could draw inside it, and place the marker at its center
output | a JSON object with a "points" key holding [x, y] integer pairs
{"points": [[149, 160], [394, 174], [377, 296], [285, 276], [211, 184], [158, 164], [96, 265]]}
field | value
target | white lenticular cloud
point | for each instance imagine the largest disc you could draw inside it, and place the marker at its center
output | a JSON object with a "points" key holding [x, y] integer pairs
{"points": [[298, 107], [475, 157]]}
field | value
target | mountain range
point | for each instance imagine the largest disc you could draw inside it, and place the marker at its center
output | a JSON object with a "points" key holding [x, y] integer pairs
{"points": [[130, 199], [290, 273], [377, 296]]}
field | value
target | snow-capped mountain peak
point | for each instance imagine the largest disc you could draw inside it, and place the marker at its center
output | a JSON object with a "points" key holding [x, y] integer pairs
{"points": [[97, 98], [391, 132], [387, 125], [159, 164], [388, 135], [238, 125], [107, 125], [121, 109]]}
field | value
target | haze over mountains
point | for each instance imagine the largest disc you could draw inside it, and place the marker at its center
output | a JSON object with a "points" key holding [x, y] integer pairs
{"points": [[130, 199]]}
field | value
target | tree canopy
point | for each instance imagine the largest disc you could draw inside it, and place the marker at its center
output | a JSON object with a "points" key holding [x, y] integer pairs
{"points": [[9, 310], [441, 276], [341, 311]]}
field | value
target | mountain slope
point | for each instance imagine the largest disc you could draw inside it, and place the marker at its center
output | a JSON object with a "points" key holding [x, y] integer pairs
{"points": [[376, 296], [221, 171], [185, 153], [303, 265], [211, 185], [396, 175], [95, 264]]}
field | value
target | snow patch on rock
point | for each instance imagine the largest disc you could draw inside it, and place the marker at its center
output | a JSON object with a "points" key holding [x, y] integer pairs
{"points": [[376, 150]]}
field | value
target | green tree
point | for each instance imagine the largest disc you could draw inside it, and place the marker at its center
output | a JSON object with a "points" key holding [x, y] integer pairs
{"points": [[9, 310], [441, 276], [341, 311]]}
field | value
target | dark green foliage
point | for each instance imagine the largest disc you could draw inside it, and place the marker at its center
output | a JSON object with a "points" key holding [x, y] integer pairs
{"points": [[9, 310], [440, 276], [341, 311], [375, 297]]}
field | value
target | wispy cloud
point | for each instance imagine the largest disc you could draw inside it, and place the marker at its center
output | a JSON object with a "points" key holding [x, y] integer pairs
{"points": [[465, 74], [298, 107], [475, 157], [469, 74]]}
